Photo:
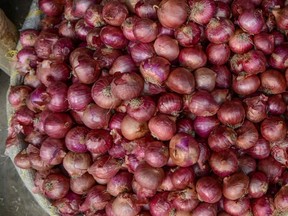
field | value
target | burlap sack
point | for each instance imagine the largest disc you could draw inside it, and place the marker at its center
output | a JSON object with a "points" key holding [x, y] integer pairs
{"points": [[27, 176]]}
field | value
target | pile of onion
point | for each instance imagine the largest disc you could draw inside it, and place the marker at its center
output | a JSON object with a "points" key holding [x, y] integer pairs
{"points": [[150, 107]]}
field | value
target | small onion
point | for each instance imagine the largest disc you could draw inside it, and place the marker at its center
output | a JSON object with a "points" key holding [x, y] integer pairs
{"points": [[76, 164], [235, 186], [208, 189]]}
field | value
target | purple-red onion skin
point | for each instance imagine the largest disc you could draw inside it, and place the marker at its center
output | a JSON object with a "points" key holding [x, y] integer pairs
{"points": [[209, 189]]}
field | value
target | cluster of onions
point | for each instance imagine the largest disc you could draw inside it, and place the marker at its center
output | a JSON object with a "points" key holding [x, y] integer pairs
{"points": [[153, 107]]}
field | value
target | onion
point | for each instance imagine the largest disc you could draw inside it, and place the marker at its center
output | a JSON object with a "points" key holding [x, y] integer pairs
{"points": [[281, 198], [80, 7], [67, 29], [222, 10], [113, 37], [51, 7], [52, 151], [21, 160], [79, 96], [82, 29], [93, 39], [125, 205], [17, 95], [31, 80], [223, 163], [141, 51], [202, 11], [208, 189], [147, 9], [95, 117], [76, 164], [127, 85], [235, 186], [204, 125], [245, 84], [58, 95], [271, 168], [206, 209], [145, 30], [82, 184], [247, 164], [166, 47], [280, 15], [44, 43], [181, 177], [205, 79], [184, 150], [102, 95], [122, 64], [61, 49], [68, 204], [159, 205], [237, 207], [264, 42], [241, 42], [162, 127], [224, 77], [231, 113], [104, 167], [55, 186], [96, 199], [279, 57], [185, 125], [172, 13], [256, 108], [221, 95], [219, 30], [260, 150], [28, 37], [221, 138], [247, 135], [128, 26], [27, 60], [93, 15], [170, 103], [155, 70], [188, 34], [132, 129], [203, 104], [181, 81], [218, 54], [142, 108], [184, 201], [276, 105], [121, 182], [193, 57], [114, 13], [251, 21], [258, 185], [98, 141], [273, 129], [106, 56], [156, 154], [263, 205]]}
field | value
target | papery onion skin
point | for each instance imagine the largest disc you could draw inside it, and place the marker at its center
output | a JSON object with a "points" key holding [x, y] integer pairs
{"points": [[237, 207], [246, 85], [272, 168], [263, 205], [273, 82], [192, 57], [218, 54], [82, 184], [166, 47], [247, 135], [202, 11], [132, 129], [125, 205], [281, 198], [162, 127], [235, 186], [56, 186], [273, 129], [258, 185], [114, 13], [79, 96], [248, 19], [56, 125], [188, 34], [205, 79], [208, 189]]}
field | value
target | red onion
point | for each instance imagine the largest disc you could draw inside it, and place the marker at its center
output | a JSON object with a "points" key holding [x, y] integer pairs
{"points": [[98, 141], [264, 42], [38, 99], [95, 117], [106, 56], [155, 70], [280, 15], [17, 95], [132, 129], [204, 125], [113, 37], [221, 95], [184, 150], [31, 80], [247, 135], [236, 63], [49, 72], [55, 186], [251, 21], [75, 139], [44, 43], [222, 10], [241, 42], [159, 205], [52, 151], [260, 150], [142, 109], [56, 125], [28, 37], [166, 47], [224, 77], [218, 54], [147, 8], [202, 11], [58, 97], [247, 164], [246, 84], [223, 163], [76, 164], [276, 105], [188, 34], [279, 57], [184, 201], [79, 51], [128, 26], [93, 39], [67, 29], [235, 186], [82, 29], [182, 177], [21, 160], [254, 62], [256, 108], [141, 51], [181, 81], [121, 182], [186, 125], [263, 205], [162, 127], [271, 168], [51, 7], [80, 7], [82, 184], [258, 185], [281, 198], [61, 49], [219, 30], [231, 113], [203, 104], [93, 15], [193, 57], [79, 96], [166, 31], [279, 152], [153, 89], [205, 79], [145, 30], [104, 167], [156, 154], [68, 204], [208, 189], [123, 64], [206, 209], [237, 207], [267, 5], [127, 85], [170, 103], [172, 13], [96, 199], [114, 13], [142, 193], [125, 205], [273, 129], [102, 95], [27, 60]]}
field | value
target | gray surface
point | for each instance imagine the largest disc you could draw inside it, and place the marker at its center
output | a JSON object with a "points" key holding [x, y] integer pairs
{"points": [[15, 199]]}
